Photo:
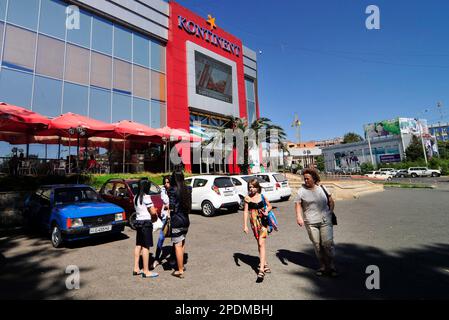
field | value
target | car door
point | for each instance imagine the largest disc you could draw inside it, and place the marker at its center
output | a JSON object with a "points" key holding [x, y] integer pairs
{"points": [[45, 208], [239, 186], [199, 192], [107, 192], [189, 182], [122, 196]]}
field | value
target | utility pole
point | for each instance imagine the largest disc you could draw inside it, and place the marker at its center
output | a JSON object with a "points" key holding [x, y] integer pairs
{"points": [[296, 123]]}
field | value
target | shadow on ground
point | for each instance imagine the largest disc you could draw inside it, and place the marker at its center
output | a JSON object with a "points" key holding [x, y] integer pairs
{"points": [[410, 273], [251, 261]]}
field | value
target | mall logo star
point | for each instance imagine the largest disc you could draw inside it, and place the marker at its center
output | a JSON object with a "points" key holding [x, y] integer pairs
{"points": [[211, 21]]}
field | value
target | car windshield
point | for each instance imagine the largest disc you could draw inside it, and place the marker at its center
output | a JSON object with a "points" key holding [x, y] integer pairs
{"points": [[279, 177], [134, 187], [249, 178], [223, 182], [71, 195]]}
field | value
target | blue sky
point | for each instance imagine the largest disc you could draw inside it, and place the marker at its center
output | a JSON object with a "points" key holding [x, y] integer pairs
{"points": [[319, 60]]}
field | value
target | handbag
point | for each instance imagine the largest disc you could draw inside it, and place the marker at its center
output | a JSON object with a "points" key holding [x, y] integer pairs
{"points": [[272, 221], [334, 217]]}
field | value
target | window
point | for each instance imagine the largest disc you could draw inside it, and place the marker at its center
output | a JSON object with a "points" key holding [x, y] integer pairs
{"points": [[101, 70], [250, 100], [75, 99], [141, 82], [18, 15], [154, 189], [53, 18], [102, 35], [223, 182], [122, 76], [163, 115], [141, 53], [251, 111], [20, 49], [100, 105], [155, 114], [16, 87], [141, 111], [236, 182], [188, 182], [157, 56], [157, 86], [2, 28], [199, 183], [47, 96], [50, 57], [77, 64], [81, 36], [122, 43], [121, 107], [121, 190], [108, 189], [249, 84], [2, 10]]}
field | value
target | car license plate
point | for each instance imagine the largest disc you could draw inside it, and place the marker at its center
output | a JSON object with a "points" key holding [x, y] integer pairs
{"points": [[100, 229]]}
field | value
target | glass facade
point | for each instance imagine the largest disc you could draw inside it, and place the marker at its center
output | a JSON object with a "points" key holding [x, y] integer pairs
{"points": [[102, 70], [250, 100]]}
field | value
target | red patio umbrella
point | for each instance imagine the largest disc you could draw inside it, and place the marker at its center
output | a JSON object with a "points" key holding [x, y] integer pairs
{"points": [[18, 119]]}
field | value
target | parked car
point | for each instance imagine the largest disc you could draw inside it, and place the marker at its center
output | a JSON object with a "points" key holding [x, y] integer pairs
{"points": [[379, 175], [268, 189], [121, 192], [280, 182], [390, 170], [213, 193], [72, 212], [403, 173], [415, 172]]}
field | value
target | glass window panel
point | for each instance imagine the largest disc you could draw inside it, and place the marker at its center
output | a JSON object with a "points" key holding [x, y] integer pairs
{"points": [[47, 96], [157, 86], [163, 115], [20, 48], [81, 36], [101, 70], [157, 56], [24, 13], [50, 57], [77, 64], [122, 43], [16, 87], [102, 35], [121, 107], [141, 82], [75, 99], [2, 28], [141, 54], [156, 114], [141, 111], [2, 9], [251, 111], [122, 76], [249, 90], [100, 105], [53, 18]]}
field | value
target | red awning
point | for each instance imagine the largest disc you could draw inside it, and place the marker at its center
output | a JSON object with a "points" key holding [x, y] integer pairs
{"points": [[18, 119], [61, 126]]}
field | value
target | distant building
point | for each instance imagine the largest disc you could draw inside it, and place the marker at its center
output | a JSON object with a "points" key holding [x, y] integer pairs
{"points": [[440, 131]]}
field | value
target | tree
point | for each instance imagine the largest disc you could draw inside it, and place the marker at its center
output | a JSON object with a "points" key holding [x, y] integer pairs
{"points": [[351, 137], [366, 166], [320, 163], [443, 149], [414, 151]]}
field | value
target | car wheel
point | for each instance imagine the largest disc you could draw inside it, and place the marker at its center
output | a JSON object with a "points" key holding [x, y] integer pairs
{"points": [[434, 174], [207, 209], [56, 236], [414, 175], [132, 221]]}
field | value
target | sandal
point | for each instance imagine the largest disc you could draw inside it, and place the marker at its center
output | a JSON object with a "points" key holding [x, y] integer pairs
{"points": [[266, 268], [151, 275], [320, 272], [260, 276], [137, 273], [178, 274]]}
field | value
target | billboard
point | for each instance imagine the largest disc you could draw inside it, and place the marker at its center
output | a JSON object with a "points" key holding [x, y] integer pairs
{"points": [[411, 126], [382, 129], [213, 78]]}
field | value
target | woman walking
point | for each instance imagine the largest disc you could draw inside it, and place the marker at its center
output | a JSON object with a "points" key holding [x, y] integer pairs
{"points": [[257, 207], [313, 210], [165, 217], [180, 203], [146, 215]]}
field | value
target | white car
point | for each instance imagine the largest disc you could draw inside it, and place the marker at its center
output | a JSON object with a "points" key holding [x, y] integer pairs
{"points": [[241, 185], [379, 175], [213, 193], [280, 183], [415, 172]]}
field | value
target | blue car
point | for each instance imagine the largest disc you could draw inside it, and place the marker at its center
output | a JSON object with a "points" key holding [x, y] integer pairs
{"points": [[72, 212]]}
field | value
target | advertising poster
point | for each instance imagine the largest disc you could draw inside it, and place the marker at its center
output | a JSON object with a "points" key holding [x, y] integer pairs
{"points": [[382, 129]]}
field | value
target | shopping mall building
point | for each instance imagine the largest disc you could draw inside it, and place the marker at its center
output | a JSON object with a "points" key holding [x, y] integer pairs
{"points": [[151, 61]]}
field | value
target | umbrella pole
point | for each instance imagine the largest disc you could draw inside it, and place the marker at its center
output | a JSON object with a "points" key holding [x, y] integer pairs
{"points": [[59, 148], [124, 150]]}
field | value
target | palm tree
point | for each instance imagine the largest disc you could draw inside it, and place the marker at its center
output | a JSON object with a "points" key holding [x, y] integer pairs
{"points": [[257, 126]]}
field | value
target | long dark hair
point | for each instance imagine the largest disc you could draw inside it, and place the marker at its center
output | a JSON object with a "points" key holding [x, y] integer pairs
{"points": [[144, 189], [182, 192]]}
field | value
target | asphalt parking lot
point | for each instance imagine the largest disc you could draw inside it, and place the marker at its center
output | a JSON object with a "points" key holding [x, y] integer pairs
{"points": [[403, 232]]}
